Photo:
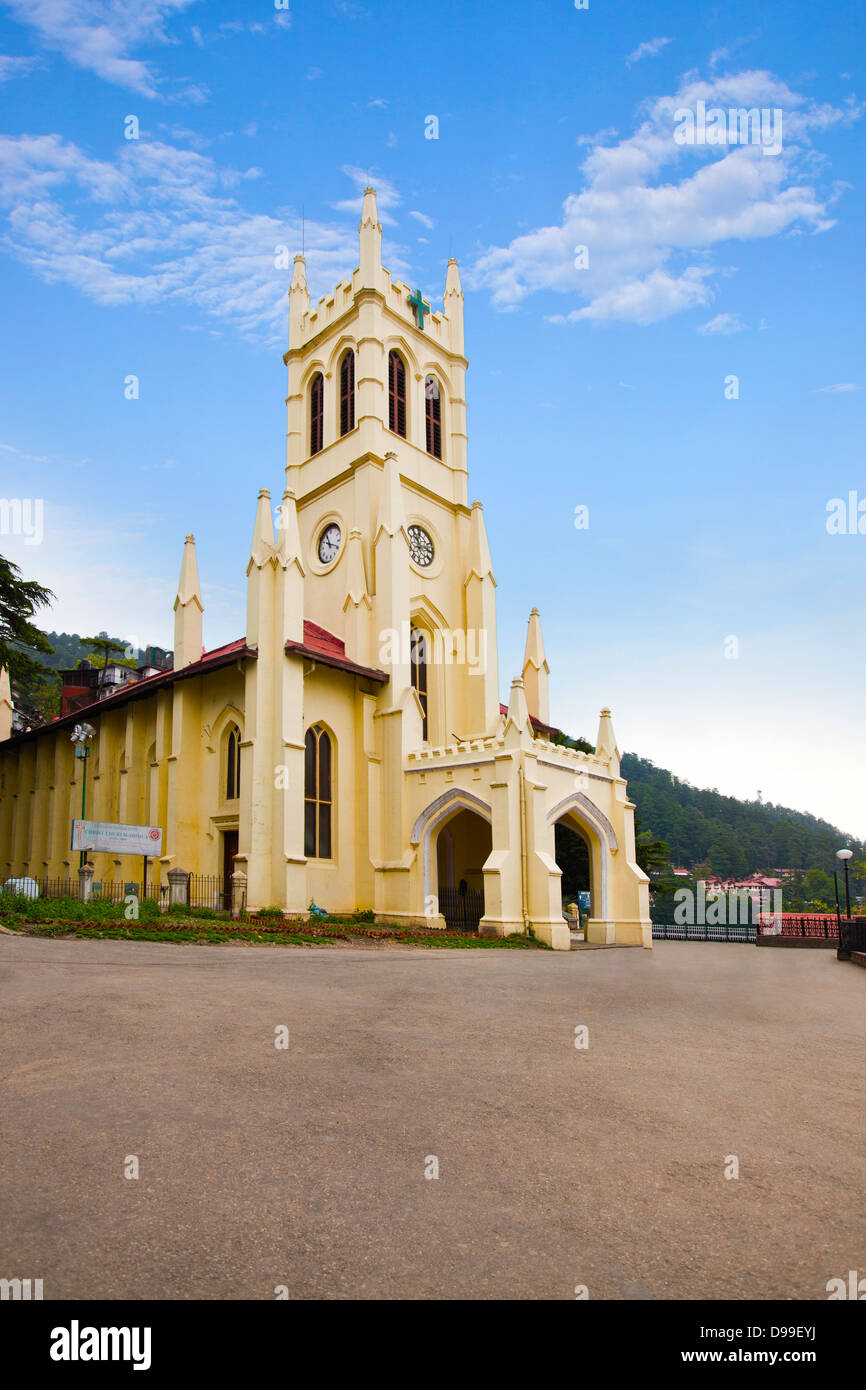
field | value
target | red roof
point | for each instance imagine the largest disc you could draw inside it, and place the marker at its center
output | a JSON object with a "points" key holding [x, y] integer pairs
{"points": [[322, 646], [319, 639]]}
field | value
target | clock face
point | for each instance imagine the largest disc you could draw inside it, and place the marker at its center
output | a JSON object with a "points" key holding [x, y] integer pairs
{"points": [[329, 543], [420, 546]]}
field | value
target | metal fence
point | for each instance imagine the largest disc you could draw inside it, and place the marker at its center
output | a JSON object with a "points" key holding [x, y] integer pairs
{"points": [[703, 932], [798, 924], [462, 910], [210, 890], [117, 890]]}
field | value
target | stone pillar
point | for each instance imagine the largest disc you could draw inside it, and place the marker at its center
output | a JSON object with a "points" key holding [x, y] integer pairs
{"points": [[85, 882], [178, 888], [239, 892]]}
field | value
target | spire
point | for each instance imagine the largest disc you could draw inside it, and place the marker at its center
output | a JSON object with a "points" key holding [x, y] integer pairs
{"points": [[479, 561], [392, 518], [262, 548], [453, 305], [356, 580], [290, 574], [371, 240], [299, 299], [536, 671], [288, 535], [187, 610], [356, 606], [605, 743], [6, 705], [518, 714]]}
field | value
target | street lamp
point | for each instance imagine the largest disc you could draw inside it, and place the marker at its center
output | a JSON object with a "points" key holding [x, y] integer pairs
{"points": [[81, 737], [845, 855]]}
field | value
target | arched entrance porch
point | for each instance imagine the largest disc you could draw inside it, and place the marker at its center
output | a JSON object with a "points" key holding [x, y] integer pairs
{"points": [[585, 840], [455, 839]]}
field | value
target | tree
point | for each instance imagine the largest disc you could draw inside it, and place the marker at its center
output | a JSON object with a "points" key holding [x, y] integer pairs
{"points": [[102, 647], [19, 601], [652, 854]]}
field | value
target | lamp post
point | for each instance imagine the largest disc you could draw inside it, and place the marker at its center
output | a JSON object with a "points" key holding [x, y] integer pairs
{"points": [[82, 736], [845, 855]]}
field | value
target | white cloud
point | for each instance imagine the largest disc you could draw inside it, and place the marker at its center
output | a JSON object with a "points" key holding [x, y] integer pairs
{"points": [[99, 35], [648, 49], [839, 389], [423, 219], [651, 211], [724, 324], [381, 102], [160, 225], [16, 67]]}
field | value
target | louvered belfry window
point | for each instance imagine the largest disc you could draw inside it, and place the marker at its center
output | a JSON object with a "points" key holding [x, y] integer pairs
{"points": [[433, 402], [317, 413], [347, 393], [396, 393]]}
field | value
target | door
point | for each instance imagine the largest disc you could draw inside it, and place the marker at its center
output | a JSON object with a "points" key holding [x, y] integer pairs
{"points": [[230, 849]]}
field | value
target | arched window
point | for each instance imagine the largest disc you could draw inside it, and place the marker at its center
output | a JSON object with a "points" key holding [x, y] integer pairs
{"points": [[347, 393], [317, 793], [233, 763], [433, 404], [418, 656], [396, 393], [317, 413]]}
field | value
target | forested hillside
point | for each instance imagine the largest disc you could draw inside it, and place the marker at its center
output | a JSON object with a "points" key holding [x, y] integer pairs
{"points": [[732, 837]]}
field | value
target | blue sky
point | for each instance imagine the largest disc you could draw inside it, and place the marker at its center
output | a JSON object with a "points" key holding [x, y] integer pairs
{"points": [[602, 386]]}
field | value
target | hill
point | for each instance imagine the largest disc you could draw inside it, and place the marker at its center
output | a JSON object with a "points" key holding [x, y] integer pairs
{"points": [[730, 837]]}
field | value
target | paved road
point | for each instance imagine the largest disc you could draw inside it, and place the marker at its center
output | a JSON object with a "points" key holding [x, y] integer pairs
{"points": [[305, 1167]]}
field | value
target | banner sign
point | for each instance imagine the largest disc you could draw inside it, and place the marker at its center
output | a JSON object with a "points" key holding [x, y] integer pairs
{"points": [[107, 837]]}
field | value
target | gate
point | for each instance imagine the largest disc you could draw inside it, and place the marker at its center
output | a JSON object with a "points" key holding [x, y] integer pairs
{"points": [[462, 910]]}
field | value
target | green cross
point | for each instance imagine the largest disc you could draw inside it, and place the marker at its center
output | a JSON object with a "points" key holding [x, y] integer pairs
{"points": [[421, 308]]}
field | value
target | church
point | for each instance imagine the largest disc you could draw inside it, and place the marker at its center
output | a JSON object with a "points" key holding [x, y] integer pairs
{"points": [[350, 749]]}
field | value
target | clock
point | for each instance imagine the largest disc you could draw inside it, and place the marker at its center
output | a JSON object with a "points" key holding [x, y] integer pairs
{"points": [[420, 546], [329, 543]]}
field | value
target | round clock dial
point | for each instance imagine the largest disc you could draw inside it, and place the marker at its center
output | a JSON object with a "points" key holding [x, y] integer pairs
{"points": [[329, 543], [420, 546]]}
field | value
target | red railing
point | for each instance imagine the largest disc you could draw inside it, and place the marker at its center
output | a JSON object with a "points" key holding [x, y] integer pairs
{"points": [[798, 924]]}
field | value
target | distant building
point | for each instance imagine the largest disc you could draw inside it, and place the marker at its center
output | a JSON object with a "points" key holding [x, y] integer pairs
{"points": [[86, 683]]}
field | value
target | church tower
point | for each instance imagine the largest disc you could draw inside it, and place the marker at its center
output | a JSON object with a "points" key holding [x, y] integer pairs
{"points": [[397, 562]]}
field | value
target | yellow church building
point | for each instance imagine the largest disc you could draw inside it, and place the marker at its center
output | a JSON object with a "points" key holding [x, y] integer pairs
{"points": [[351, 748]]}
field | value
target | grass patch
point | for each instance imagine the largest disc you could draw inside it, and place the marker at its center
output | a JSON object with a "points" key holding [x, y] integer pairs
{"points": [[167, 927]]}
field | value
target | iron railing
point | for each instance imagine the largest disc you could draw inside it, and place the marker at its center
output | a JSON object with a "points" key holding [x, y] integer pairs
{"points": [[462, 910], [703, 932], [798, 924], [210, 890]]}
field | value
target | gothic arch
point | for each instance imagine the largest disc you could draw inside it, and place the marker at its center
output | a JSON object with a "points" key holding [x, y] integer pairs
{"points": [[585, 809], [436, 814], [320, 729], [344, 343], [600, 835]]}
